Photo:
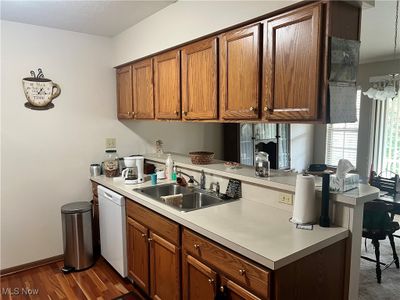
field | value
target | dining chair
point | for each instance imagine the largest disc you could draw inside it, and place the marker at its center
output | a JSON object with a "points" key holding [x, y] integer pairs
{"points": [[377, 225]]}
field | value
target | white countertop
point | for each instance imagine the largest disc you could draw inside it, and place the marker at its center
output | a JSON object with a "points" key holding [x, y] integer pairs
{"points": [[255, 230]]}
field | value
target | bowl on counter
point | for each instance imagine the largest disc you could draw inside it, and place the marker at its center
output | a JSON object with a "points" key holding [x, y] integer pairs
{"points": [[201, 157]]}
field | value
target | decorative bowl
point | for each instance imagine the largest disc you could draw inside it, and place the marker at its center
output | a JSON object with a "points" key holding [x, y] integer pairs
{"points": [[201, 157]]}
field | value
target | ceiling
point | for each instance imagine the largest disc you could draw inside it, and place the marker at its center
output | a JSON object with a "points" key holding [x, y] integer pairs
{"points": [[377, 32], [106, 18]]}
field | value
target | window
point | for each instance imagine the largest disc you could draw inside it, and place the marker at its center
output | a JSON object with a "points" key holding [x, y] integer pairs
{"points": [[386, 152], [342, 139]]}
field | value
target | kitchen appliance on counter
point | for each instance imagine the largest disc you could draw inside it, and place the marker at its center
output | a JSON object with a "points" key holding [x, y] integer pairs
{"points": [[133, 173], [113, 229]]}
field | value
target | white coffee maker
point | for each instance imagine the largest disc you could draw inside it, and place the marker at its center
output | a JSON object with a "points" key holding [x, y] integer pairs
{"points": [[133, 174]]}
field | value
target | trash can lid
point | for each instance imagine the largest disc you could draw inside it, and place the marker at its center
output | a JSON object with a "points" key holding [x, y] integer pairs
{"points": [[76, 207]]}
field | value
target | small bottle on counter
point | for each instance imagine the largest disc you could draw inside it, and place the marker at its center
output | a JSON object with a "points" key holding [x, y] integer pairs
{"points": [[174, 173], [169, 165]]}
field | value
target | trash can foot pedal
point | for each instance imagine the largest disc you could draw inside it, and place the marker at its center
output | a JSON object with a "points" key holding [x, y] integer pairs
{"points": [[67, 270]]}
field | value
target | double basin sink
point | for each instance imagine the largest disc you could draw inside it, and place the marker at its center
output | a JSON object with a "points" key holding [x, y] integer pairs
{"points": [[192, 199]]}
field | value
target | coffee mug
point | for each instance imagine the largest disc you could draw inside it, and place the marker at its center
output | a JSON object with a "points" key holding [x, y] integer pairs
{"points": [[40, 91]]}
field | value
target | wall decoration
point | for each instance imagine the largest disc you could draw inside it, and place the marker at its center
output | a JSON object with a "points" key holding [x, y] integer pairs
{"points": [[40, 91]]}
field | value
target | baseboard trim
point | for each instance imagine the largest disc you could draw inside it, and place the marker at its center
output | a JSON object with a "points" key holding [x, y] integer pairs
{"points": [[31, 265]]}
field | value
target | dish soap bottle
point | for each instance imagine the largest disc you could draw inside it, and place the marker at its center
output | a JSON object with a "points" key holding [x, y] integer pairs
{"points": [[169, 165]]}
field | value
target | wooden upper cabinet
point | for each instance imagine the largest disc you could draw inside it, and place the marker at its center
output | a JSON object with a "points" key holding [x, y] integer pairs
{"points": [[167, 85], [142, 84], [199, 80], [164, 269], [239, 88], [124, 92], [138, 253], [292, 50], [199, 281]]}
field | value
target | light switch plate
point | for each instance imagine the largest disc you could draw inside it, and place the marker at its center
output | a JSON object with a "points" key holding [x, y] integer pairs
{"points": [[286, 198], [111, 143]]}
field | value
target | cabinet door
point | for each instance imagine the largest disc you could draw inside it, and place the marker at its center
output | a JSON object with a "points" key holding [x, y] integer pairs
{"points": [[199, 80], [138, 254], [142, 84], [199, 281], [124, 93], [167, 85], [292, 49], [233, 291], [164, 269], [240, 73]]}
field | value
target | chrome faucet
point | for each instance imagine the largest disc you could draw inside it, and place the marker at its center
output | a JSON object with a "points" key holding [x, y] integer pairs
{"points": [[216, 184], [180, 173]]}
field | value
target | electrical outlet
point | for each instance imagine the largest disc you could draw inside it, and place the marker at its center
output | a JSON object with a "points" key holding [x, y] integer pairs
{"points": [[286, 198], [111, 143]]}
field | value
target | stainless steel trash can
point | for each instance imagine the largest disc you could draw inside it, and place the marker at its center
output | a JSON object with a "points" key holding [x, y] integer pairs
{"points": [[77, 236]]}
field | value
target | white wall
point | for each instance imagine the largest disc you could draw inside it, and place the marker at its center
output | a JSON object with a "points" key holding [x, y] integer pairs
{"points": [[183, 21], [45, 155]]}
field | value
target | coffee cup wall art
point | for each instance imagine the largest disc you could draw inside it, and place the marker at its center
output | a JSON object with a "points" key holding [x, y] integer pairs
{"points": [[40, 91]]}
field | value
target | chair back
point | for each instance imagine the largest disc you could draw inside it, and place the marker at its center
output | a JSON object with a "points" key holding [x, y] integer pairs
{"points": [[389, 185], [376, 216]]}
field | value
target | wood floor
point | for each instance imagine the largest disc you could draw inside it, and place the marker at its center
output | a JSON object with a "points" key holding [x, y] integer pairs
{"points": [[48, 282]]}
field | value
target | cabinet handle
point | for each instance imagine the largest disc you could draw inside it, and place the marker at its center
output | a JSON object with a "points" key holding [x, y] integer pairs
{"points": [[196, 246], [252, 109], [144, 235], [222, 289], [184, 113], [267, 109], [129, 113], [210, 280], [149, 240], [177, 112], [133, 113], [242, 272]]}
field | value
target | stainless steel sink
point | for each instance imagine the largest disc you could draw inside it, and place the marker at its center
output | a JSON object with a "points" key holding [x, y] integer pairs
{"points": [[156, 192], [192, 199], [199, 200]]}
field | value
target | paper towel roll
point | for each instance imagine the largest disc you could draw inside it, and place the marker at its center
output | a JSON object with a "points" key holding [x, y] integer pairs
{"points": [[305, 208]]}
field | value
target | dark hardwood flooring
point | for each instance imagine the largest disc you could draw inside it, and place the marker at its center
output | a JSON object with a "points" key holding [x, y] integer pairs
{"points": [[48, 282]]}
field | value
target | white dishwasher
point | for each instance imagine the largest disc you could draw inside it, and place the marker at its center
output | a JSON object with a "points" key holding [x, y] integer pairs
{"points": [[112, 229]]}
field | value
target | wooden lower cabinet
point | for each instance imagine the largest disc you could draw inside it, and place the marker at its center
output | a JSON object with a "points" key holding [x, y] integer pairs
{"points": [[164, 269], [199, 281], [206, 270], [153, 252], [138, 253], [232, 291]]}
